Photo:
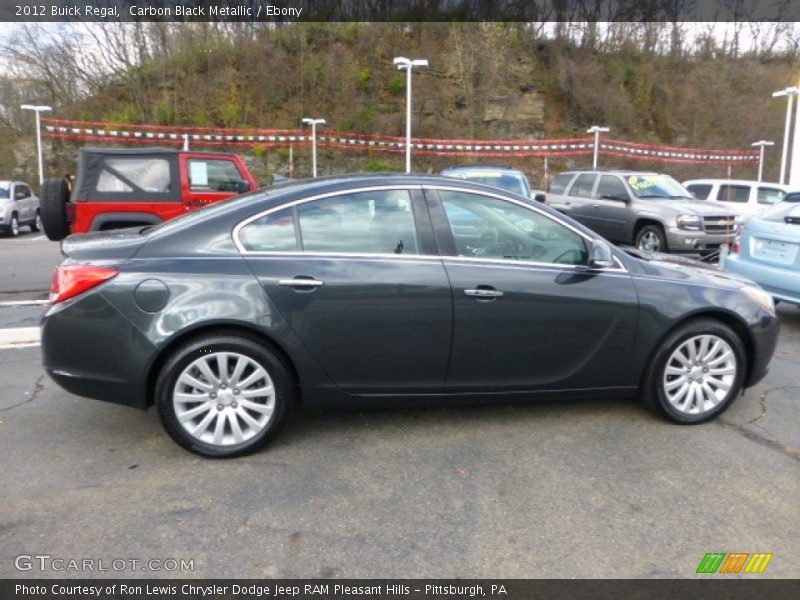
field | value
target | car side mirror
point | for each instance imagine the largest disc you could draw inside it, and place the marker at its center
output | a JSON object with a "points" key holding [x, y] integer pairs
{"points": [[600, 256], [243, 186], [538, 196]]}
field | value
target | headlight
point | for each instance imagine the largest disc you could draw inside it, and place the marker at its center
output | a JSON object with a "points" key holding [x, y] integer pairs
{"points": [[692, 222], [760, 297]]}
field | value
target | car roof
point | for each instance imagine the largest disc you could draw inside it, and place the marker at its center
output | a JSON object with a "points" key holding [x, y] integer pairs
{"points": [[479, 168], [610, 172], [713, 180], [147, 151]]}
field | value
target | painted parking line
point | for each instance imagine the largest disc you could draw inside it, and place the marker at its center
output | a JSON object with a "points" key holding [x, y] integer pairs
{"points": [[24, 303], [20, 337]]}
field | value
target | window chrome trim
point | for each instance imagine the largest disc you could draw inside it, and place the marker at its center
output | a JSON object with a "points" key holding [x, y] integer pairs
{"points": [[556, 218], [620, 268], [263, 213]]}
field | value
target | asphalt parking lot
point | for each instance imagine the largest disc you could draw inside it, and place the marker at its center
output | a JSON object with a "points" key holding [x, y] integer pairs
{"points": [[546, 489]]}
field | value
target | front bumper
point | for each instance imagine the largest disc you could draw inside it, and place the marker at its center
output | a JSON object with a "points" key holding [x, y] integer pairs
{"points": [[682, 240]]}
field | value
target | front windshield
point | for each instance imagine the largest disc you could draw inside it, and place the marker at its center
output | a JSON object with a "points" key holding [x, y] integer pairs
{"points": [[654, 185], [4, 192], [506, 181]]}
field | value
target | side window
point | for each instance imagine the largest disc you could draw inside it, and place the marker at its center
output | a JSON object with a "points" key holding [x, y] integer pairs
{"points": [[485, 227], [612, 188], [123, 174], [582, 188], [700, 190], [733, 193], [209, 175], [560, 183], [377, 222], [21, 192], [770, 195], [274, 232]]}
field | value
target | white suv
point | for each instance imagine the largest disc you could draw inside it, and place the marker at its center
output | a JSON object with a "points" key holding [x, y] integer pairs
{"points": [[18, 206], [748, 197]]}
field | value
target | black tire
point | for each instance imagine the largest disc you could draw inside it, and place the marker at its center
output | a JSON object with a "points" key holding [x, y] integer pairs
{"points": [[13, 226], [55, 196], [36, 224], [654, 233], [182, 359], [653, 387]]}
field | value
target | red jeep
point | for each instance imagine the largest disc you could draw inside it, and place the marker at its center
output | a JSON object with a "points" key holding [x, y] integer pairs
{"points": [[126, 188]]}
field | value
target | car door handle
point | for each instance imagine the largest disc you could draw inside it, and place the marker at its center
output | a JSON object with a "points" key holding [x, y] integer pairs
{"points": [[483, 293], [301, 282]]}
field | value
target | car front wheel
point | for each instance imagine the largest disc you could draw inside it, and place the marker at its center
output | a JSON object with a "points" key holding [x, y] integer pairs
{"points": [[223, 396], [697, 372], [650, 238]]}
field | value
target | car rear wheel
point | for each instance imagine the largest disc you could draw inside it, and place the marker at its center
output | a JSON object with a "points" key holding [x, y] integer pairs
{"points": [[697, 372], [55, 196], [650, 238], [223, 396]]}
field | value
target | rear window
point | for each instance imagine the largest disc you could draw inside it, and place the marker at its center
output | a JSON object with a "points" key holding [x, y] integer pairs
{"points": [[583, 185], [783, 212], [560, 183], [733, 193], [126, 174], [700, 190]]}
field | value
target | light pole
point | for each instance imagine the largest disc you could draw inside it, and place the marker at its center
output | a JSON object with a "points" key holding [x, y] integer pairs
{"points": [[407, 64], [791, 92], [313, 123], [596, 130], [38, 109], [761, 144]]}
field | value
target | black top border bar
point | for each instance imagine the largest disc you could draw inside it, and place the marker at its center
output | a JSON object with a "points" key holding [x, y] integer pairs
{"points": [[523, 11]]}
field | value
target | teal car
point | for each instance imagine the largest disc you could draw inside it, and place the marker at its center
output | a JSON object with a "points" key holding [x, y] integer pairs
{"points": [[767, 250]]}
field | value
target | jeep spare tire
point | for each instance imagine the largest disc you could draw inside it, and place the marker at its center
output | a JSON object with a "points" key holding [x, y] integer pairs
{"points": [[55, 196]]}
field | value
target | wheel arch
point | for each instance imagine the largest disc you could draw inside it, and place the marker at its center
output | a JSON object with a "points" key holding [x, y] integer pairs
{"points": [[728, 318], [644, 221], [220, 328]]}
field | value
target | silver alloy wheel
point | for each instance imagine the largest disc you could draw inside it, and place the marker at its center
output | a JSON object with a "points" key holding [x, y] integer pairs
{"points": [[649, 242], [699, 374], [38, 223], [14, 226], [224, 398]]}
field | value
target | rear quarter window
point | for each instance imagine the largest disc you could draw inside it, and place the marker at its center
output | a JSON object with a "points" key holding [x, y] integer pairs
{"points": [[560, 183]]}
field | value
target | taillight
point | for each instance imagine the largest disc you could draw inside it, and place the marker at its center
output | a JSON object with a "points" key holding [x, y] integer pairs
{"points": [[737, 242], [71, 280]]}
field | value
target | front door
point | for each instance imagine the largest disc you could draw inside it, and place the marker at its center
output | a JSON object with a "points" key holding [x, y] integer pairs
{"points": [[528, 313], [358, 271]]}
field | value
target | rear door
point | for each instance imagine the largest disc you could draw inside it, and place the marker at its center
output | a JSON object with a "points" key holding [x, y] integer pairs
{"points": [[208, 178], [356, 277], [610, 214], [580, 198]]}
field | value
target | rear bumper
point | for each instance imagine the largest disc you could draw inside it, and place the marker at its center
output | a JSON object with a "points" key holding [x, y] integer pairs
{"points": [[90, 349], [782, 283]]}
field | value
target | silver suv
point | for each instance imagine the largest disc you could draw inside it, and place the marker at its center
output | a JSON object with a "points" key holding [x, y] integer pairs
{"points": [[652, 211], [18, 206]]}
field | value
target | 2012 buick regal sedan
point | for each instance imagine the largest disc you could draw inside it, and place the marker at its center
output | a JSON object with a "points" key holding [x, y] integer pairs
{"points": [[387, 290]]}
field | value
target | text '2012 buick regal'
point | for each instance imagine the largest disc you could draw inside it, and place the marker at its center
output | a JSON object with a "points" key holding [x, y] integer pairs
{"points": [[387, 290]]}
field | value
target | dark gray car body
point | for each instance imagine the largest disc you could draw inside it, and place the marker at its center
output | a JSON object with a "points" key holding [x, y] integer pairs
{"points": [[384, 329]]}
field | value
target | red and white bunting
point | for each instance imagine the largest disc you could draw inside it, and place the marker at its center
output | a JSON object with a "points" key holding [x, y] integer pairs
{"points": [[98, 132]]}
